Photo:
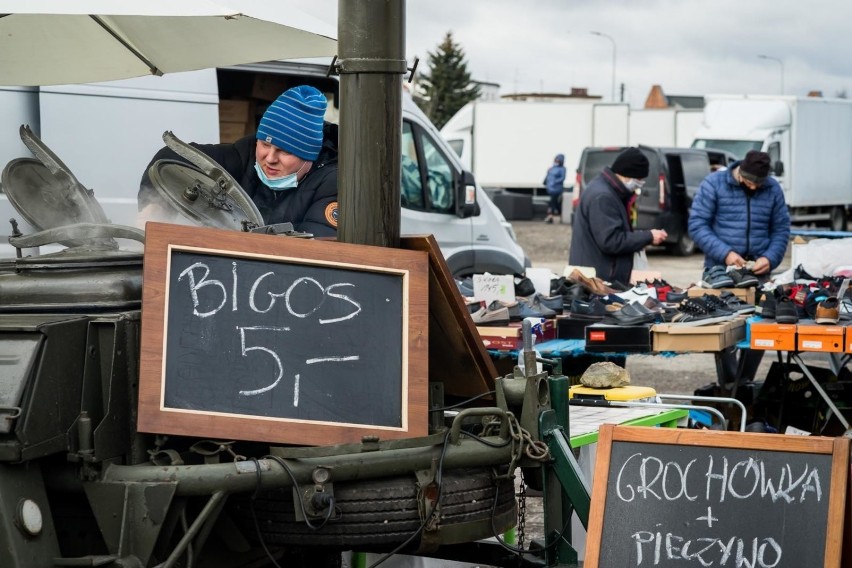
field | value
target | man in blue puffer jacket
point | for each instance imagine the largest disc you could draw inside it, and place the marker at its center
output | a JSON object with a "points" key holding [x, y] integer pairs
{"points": [[739, 215]]}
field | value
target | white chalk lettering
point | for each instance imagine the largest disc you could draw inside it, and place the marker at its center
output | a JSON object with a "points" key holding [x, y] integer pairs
{"points": [[345, 299], [245, 350], [195, 285], [757, 552]]}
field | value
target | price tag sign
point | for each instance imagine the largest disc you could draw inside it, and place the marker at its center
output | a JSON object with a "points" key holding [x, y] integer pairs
{"points": [[490, 287]]}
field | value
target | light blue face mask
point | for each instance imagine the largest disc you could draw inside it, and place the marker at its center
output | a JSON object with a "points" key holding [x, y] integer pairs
{"points": [[279, 184]]}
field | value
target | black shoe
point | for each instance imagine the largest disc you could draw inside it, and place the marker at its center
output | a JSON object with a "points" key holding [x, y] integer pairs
{"points": [[716, 305], [743, 278], [785, 311], [766, 305], [629, 315], [676, 297], [733, 303], [524, 286], [694, 312], [593, 310]]}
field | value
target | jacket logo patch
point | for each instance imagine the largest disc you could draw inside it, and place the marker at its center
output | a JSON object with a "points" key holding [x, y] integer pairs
{"points": [[331, 214]]}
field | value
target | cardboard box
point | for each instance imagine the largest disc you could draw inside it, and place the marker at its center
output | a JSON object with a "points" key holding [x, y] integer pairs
{"points": [[811, 336], [771, 335], [233, 131], [233, 110], [508, 338], [602, 338], [703, 338], [268, 87], [745, 294]]}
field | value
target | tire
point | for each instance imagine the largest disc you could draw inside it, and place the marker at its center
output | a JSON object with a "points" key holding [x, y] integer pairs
{"points": [[375, 514], [837, 220], [684, 246]]}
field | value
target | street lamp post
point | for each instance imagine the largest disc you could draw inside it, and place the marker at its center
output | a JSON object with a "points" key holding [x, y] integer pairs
{"points": [[613, 59], [781, 63]]}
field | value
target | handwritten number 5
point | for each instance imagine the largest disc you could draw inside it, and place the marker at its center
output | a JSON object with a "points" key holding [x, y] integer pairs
{"points": [[273, 354]]}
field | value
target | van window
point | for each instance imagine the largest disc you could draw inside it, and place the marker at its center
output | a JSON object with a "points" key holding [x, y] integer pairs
{"points": [[695, 168], [411, 186], [439, 174], [457, 146], [774, 152], [595, 163]]}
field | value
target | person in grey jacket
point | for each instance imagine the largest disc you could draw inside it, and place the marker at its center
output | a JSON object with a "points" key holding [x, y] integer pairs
{"points": [[602, 236], [739, 215]]}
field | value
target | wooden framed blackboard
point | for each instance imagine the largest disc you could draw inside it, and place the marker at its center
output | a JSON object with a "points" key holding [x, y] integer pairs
{"points": [[280, 339], [675, 498]]}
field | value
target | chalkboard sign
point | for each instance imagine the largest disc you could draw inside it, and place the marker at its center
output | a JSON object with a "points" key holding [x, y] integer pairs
{"points": [[279, 339], [675, 498]]}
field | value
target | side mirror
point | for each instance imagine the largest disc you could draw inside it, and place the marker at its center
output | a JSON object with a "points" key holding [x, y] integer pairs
{"points": [[778, 168], [466, 203]]}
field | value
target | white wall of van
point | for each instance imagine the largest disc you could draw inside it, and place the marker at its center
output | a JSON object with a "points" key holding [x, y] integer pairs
{"points": [[106, 133]]}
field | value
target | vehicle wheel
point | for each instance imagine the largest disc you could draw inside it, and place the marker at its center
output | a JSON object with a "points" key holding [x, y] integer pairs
{"points": [[376, 514], [684, 246], [838, 219]]}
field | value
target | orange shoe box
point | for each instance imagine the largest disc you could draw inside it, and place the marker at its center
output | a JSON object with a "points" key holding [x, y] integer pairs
{"points": [[816, 337], [774, 336]]}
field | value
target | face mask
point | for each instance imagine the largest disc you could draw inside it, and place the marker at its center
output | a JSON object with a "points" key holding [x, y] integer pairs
{"points": [[279, 184], [634, 185]]}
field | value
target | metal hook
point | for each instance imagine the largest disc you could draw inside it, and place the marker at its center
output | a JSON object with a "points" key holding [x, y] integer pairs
{"points": [[413, 68], [331, 67]]}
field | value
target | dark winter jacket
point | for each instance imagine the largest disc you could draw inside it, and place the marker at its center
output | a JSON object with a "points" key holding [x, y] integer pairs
{"points": [[725, 217], [601, 235], [311, 207], [555, 179]]}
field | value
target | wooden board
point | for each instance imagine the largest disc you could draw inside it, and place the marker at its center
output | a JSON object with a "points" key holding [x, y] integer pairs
{"points": [[457, 356], [279, 339], [665, 497]]}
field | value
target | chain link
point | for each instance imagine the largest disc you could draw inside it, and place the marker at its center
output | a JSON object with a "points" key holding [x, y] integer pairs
{"points": [[521, 495]]}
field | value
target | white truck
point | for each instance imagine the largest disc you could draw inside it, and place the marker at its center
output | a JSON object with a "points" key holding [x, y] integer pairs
{"points": [[664, 127], [510, 144], [809, 141], [106, 133]]}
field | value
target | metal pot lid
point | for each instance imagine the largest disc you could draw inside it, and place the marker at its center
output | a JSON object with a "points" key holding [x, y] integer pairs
{"points": [[199, 197], [46, 200], [79, 258]]}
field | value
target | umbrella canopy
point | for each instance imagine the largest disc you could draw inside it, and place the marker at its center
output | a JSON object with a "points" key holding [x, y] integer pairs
{"points": [[50, 42]]}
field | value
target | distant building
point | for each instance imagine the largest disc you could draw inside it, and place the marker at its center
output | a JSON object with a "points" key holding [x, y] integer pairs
{"points": [[488, 91], [658, 99], [576, 94]]}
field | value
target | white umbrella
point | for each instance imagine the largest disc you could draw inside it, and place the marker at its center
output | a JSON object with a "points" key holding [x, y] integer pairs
{"points": [[50, 42]]}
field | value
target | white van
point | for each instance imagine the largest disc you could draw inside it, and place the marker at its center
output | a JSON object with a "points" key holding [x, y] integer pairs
{"points": [[106, 133]]}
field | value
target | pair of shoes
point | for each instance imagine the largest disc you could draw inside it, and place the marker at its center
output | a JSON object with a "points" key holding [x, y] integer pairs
{"points": [[717, 277], [593, 285], [695, 312], [828, 311], [638, 293], [492, 314], [814, 298], [735, 304], [743, 277]]}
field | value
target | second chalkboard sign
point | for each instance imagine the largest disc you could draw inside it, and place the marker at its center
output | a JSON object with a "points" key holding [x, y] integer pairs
{"points": [[665, 497], [281, 339]]}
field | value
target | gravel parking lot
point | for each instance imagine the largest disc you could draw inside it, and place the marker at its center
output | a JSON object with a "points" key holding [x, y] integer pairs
{"points": [[547, 246]]}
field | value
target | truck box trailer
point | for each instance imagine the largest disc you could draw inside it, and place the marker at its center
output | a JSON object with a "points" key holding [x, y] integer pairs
{"points": [[808, 139], [510, 144], [665, 127]]}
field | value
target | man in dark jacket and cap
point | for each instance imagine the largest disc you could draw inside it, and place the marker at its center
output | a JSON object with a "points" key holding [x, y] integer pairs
{"points": [[602, 236], [288, 168]]}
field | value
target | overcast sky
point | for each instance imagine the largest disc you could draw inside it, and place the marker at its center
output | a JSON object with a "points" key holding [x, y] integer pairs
{"points": [[689, 47]]}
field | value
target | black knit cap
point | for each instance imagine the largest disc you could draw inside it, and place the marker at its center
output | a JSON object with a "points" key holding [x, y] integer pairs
{"points": [[755, 166], [631, 163]]}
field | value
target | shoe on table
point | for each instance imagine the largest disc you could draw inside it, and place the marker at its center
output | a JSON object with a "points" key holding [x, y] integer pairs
{"points": [[639, 293], [593, 310], [695, 312], [492, 314], [766, 305], [717, 277], [785, 310], [629, 315], [828, 311], [735, 304]]}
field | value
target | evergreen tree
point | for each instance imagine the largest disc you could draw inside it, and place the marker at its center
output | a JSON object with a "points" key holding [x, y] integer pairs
{"points": [[446, 87]]}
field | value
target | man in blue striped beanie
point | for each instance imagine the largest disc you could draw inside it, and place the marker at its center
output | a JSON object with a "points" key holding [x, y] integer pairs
{"points": [[288, 168]]}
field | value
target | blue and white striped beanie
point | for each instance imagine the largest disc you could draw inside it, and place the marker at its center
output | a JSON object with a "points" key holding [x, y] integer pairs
{"points": [[294, 122]]}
